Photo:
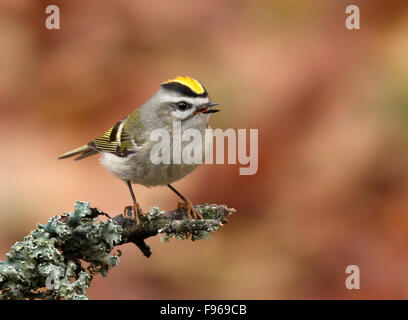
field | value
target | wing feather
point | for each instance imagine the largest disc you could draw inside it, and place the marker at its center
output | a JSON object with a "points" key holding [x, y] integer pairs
{"points": [[116, 140]]}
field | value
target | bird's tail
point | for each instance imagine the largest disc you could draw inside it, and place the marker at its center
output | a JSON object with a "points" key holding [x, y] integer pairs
{"points": [[84, 151]]}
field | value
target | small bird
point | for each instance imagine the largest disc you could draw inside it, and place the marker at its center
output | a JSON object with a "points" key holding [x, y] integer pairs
{"points": [[126, 147]]}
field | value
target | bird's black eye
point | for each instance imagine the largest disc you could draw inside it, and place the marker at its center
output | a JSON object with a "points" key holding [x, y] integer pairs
{"points": [[183, 106]]}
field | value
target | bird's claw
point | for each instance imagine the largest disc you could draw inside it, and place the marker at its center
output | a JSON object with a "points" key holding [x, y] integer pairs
{"points": [[136, 212], [191, 212]]}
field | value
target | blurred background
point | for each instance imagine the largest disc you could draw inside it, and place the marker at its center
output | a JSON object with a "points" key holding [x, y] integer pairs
{"points": [[331, 106]]}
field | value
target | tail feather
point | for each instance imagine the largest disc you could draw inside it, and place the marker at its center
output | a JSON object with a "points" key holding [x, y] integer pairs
{"points": [[84, 151], [85, 154]]}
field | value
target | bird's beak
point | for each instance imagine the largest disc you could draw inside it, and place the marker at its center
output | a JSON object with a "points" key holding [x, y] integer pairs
{"points": [[205, 108]]}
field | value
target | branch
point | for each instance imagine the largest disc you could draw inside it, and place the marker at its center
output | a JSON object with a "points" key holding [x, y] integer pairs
{"points": [[58, 260]]}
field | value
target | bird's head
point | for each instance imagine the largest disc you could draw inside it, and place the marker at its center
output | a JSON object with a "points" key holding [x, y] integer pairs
{"points": [[184, 99]]}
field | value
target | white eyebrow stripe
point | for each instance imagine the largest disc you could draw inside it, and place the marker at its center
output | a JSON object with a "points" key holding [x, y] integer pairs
{"points": [[193, 101]]}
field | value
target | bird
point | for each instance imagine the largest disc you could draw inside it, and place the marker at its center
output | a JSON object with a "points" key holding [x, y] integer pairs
{"points": [[126, 147]]}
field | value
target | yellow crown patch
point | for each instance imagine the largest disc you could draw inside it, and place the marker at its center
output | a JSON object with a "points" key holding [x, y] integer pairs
{"points": [[191, 83]]}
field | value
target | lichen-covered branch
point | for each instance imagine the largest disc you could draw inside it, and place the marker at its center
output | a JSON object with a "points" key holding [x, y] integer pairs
{"points": [[58, 260]]}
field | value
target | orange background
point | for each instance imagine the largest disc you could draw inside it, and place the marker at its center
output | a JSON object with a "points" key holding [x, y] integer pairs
{"points": [[331, 106]]}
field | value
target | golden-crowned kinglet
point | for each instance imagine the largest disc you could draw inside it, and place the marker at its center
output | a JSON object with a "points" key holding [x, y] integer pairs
{"points": [[126, 147]]}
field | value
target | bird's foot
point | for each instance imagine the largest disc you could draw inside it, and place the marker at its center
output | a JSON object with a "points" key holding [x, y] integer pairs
{"points": [[191, 212], [136, 212]]}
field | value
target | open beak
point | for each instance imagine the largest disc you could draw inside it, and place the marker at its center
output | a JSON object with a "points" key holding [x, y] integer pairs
{"points": [[206, 108]]}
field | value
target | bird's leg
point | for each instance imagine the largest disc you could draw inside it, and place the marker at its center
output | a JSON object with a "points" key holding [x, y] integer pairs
{"points": [[192, 213], [137, 210]]}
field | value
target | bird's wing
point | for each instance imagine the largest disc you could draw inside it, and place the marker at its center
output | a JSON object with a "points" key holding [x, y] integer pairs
{"points": [[116, 140], [120, 140]]}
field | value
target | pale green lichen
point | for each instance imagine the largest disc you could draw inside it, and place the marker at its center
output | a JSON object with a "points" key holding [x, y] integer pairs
{"points": [[53, 256], [59, 259], [202, 228], [154, 214]]}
